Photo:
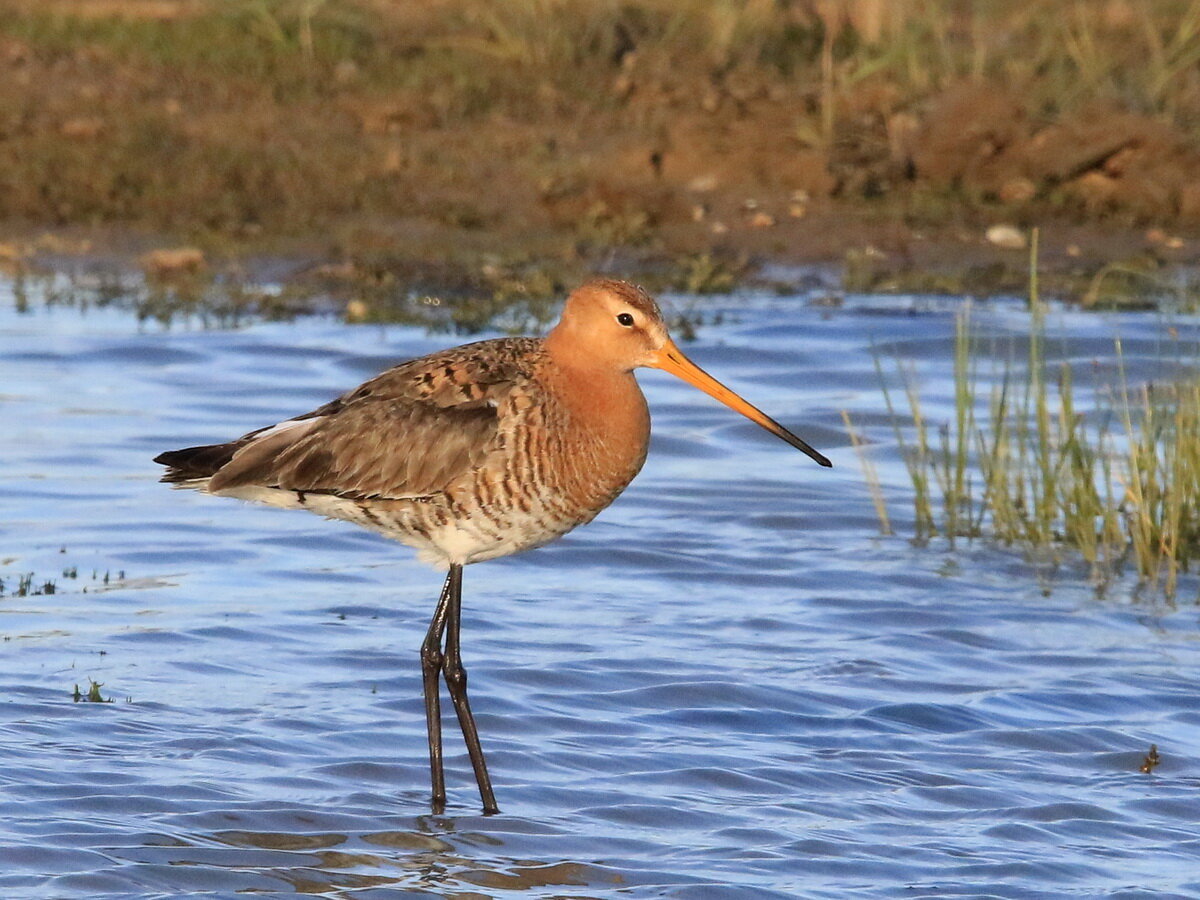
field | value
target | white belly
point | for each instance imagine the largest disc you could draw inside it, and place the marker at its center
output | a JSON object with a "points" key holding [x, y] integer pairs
{"points": [[463, 540]]}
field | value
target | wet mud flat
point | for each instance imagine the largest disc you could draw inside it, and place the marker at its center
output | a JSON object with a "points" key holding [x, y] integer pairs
{"points": [[728, 685]]}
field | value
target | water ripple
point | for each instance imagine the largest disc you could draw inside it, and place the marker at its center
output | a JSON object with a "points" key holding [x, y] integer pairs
{"points": [[727, 687]]}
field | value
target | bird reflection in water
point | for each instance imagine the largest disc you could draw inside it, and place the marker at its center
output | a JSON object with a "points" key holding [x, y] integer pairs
{"points": [[411, 860]]}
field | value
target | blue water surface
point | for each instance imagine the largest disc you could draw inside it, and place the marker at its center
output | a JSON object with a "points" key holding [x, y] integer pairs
{"points": [[729, 686]]}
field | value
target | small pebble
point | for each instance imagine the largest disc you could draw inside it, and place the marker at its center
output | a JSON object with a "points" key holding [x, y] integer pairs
{"points": [[1007, 236]]}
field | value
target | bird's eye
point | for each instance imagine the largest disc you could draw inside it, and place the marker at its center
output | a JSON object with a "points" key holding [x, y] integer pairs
{"points": [[625, 319]]}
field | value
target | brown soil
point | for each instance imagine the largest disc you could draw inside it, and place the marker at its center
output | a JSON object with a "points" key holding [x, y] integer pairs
{"points": [[641, 161]]}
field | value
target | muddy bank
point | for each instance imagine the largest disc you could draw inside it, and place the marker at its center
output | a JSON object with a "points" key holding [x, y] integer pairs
{"points": [[416, 147], [832, 253]]}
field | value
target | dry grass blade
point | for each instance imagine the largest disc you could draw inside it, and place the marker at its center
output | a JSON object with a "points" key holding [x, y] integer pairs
{"points": [[871, 473]]}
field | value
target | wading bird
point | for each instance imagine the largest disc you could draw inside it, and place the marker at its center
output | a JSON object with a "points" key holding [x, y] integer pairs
{"points": [[473, 453]]}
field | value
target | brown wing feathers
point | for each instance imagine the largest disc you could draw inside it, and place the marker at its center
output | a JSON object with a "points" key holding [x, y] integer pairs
{"points": [[446, 405], [353, 452]]}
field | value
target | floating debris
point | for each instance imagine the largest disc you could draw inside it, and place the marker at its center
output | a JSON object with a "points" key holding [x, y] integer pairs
{"points": [[1150, 763]]}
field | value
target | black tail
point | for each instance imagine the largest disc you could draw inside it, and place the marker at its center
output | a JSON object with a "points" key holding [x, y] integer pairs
{"points": [[195, 462]]}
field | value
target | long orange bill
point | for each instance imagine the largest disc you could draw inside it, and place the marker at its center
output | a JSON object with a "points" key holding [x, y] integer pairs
{"points": [[671, 359]]}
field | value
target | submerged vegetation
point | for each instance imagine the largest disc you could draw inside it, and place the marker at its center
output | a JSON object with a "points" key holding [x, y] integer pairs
{"points": [[28, 585], [229, 300], [93, 694], [513, 300], [33, 584], [1025, 461]]}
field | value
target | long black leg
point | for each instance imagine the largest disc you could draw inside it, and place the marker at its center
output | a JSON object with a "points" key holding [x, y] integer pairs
{"points": [[456, 683], [431, 664]]}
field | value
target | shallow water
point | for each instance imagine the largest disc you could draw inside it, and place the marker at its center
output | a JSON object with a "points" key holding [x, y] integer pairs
{"points": [[728, 686]]}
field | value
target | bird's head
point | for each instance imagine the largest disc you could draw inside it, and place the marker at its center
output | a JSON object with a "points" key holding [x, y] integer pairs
{"points": [[616, 325]]}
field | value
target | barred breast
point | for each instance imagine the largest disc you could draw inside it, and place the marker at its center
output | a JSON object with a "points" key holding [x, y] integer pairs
{"points": [[552, 465]]}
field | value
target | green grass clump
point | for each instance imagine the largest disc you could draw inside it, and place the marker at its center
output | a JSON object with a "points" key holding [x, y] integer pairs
{"points": [[1021, 464]]}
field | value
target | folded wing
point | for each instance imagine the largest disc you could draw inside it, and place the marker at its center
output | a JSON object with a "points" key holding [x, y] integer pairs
{"points": [[445, 407]]}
